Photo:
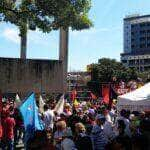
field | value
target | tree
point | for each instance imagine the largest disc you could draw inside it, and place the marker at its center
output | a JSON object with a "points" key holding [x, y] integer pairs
{"points": [[106, 69], [145, 76], [46, 15]]}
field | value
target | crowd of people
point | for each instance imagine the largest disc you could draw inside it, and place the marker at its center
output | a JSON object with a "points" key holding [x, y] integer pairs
{"points": [[82, 125]]}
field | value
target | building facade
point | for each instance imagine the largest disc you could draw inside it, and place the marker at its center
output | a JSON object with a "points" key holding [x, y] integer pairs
{"points": [[137, 42]]}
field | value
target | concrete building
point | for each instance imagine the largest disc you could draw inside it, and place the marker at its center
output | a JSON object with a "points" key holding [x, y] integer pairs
{"points": [[40, 76], [137, 42]]}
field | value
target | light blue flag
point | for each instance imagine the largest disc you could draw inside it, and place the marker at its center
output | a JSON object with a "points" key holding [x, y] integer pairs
{"points": [[29, 111]]}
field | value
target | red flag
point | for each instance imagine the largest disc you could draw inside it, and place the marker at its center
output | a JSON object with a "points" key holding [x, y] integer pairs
{"points": [[93, 96], [73, 95], [106, 93]]}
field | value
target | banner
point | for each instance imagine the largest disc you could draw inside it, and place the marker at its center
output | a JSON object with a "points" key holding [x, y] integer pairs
{"points": [[106, 93]]}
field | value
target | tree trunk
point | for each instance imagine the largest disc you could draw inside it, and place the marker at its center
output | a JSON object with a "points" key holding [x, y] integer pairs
{"points": [[23, 38]]}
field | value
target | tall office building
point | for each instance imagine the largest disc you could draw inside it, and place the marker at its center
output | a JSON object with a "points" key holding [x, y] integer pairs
{"points": [[137, 42]]}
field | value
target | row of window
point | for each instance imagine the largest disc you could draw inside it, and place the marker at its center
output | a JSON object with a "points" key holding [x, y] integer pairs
{"points": [[142, 39], [141, 46], [141, 32], [141, 25]]}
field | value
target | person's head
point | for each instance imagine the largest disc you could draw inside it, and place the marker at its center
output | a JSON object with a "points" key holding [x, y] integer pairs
{"points": [[46, 107], [123, 112], [63, 116], [142, 115], [61, 125], [79, 128], [100, 119]]}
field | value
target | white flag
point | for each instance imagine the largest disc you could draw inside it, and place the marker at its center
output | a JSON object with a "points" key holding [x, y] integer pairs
{"points": [[60, 105], [41, 104]]}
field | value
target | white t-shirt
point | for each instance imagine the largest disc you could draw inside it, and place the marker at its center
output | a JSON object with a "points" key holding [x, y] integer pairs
{"points": [[49, 119]]}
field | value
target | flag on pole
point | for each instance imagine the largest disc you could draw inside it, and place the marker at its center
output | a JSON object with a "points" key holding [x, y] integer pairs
{"points": [[93, 96], [41, 104], [75, 103], [106, 93], [73, 95], [32, 122], [59, 108]]}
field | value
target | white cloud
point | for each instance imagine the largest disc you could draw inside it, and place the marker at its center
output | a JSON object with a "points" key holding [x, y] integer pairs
{"points": [[34, 37], [11, 34], [89, 31], [93, 31]]}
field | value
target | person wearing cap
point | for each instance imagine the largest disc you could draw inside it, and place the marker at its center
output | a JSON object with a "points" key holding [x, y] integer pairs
{"points": [[99, 139]]}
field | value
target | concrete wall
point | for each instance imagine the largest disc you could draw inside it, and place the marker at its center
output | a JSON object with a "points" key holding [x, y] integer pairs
{"points": [[23, 76]]}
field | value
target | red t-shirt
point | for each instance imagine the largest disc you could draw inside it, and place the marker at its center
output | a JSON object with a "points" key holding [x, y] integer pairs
{"points": [[8, 128]]}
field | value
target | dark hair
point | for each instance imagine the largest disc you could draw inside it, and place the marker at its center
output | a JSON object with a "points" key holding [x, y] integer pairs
{"points": [[123, 112], [46, 107]]}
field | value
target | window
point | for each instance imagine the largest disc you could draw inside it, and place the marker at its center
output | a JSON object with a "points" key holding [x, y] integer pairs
{"points": [[142, 24], [132, 46], [142, 45], [142, 31]]}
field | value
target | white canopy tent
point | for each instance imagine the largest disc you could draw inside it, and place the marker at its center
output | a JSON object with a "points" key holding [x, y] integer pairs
{"points": [[138, 100]]}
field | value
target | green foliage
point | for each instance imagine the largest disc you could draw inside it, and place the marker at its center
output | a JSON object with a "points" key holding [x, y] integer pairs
{"points": [[145, 76], [106, 69], [47, 15]]}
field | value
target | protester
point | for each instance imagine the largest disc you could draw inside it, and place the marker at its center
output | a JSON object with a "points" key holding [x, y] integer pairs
{"points": [[19, 127], [8, 125], [89, 125], [58, 135], [67, 141], [124, 116], [82, 140], [99, 138], [48, 118]]}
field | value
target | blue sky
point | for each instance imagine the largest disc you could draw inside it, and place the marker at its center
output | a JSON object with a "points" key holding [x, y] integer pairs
{"points": [[105, 39]]}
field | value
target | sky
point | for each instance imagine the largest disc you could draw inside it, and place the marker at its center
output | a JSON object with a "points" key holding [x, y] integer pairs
{"points": [[105, 39]]}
